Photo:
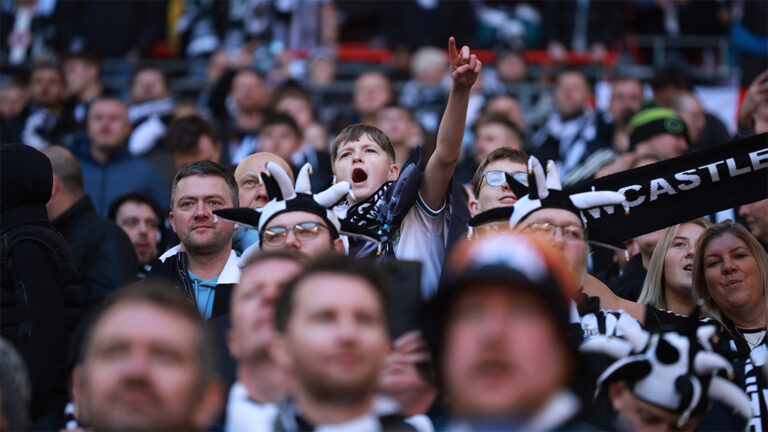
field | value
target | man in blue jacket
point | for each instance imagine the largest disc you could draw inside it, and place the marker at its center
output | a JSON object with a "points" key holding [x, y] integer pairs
{"points": [[109, 171]]}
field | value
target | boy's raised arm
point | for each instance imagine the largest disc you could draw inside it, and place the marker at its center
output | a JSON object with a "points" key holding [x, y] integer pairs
{"points": [[437, 176]]}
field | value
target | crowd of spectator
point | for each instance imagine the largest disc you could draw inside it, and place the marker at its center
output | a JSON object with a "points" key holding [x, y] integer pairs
{"points": [[266, 252]]}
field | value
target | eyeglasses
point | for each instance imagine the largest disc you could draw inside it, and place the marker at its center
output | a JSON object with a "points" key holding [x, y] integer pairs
{"points": [[304, 231], [569, 232], [497, 178]]}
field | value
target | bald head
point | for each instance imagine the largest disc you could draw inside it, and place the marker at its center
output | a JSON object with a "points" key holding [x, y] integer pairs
{"points": [[689, 108], [65, 168], [252, 192]]}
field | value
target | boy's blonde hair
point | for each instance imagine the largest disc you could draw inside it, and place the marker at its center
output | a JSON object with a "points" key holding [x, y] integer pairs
{"points": [[355, 132]]}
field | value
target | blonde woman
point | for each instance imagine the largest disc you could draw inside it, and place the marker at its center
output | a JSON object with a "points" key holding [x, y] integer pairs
{"points": [[668, 285], [730, 275]]}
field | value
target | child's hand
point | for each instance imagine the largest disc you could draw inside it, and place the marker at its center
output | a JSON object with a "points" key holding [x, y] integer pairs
{"points": [[464, 67]]}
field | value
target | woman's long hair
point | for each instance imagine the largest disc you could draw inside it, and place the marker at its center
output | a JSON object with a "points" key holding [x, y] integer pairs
{"points": [[700, 289], [654, 292]]}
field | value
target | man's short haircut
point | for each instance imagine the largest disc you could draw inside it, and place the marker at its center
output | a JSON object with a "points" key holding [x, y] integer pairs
{"points": [[47, 66], [397, 106], [354, 132], [88, 57], [151, 67], [510, 154], [627, 77], [162, 294], [336, 264], [292, 91], [134, 197], [206, 168], [501, 119], [66, 168], [184, 133], [278, 118], [573, 70]]}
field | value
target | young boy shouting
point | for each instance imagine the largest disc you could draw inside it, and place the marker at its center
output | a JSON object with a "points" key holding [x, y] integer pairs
{"points": [[381, 206]]}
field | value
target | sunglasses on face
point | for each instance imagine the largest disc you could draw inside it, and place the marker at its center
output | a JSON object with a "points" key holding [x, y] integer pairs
{"points": [[497, 178], [276, 235]]}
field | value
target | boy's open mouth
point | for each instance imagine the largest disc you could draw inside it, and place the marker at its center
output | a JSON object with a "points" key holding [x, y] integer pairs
{"points": [[359, 176]]}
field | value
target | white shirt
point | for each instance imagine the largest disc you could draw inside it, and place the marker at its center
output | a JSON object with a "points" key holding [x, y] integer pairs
{"points": [[422, 238], [244, 414]]}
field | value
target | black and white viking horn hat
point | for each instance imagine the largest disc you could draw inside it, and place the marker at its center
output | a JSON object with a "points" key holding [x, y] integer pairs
{"points": [[678, 371], [546, 191], [286, 198]]}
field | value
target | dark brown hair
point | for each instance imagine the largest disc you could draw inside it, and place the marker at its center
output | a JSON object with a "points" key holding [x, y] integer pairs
{"points": [[354, 132]]}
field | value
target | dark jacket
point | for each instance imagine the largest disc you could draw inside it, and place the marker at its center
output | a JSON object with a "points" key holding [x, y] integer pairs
{"points": [[630, 284], [39, 294], [101, 251], [174, 268]]}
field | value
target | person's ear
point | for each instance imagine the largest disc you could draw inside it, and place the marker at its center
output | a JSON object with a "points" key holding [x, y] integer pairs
{"points": [[170, 219], [209, 405], [217, 149], [616, 391], [55, 188], [474, 208], [232, 343], [278, 352], [338, 246], [394, 172]]}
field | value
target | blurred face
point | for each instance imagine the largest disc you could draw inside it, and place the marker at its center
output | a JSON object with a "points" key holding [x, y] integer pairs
{"points": [[511, 68], [336, 339], [638, 415], [569, 239], [142, 371], [678, 262], [491, 197], [756, 216], [148, 85], [318, 244], [322, 71], [371, 93], [280, 139], [365, 165], [195, 199], [47, 88], [626, 98], [206, 150], [79, 75], [666, 146], [297, 108], [694, 117], [251, 190], [253, 324], [108, 125], [12, 101], [509, 107], [571, 95], [503, 355], [492, 136], [248, 91], [139, 221], [396, 123], [732, 276]]}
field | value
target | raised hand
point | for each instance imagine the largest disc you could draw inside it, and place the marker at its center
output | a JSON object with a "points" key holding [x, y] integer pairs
{"points": [[756, 95], [465, 67]]}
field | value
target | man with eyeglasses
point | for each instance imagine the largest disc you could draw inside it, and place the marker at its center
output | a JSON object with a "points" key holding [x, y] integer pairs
{"points": [[301, 231], [549, 212]]}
